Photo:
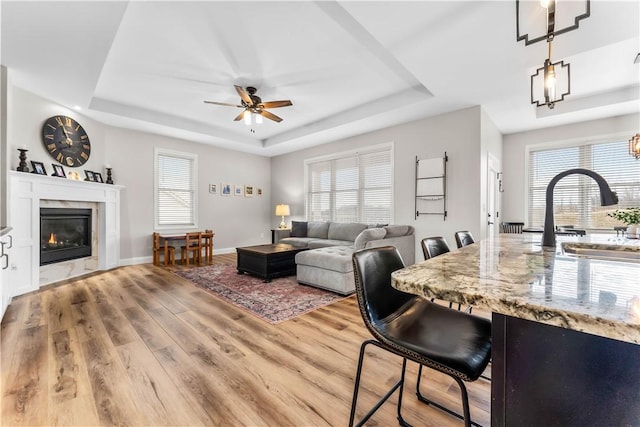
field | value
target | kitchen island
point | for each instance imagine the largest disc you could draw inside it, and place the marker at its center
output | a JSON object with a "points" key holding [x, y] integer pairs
{"points": [[566, 328]]}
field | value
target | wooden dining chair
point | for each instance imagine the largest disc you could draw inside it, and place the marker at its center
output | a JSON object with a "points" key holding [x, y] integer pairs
{"points": [[207, 245], [193, 244], [159, 249], [512, 227]]}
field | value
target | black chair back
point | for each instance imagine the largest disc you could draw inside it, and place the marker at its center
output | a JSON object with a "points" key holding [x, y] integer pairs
{"points": [[464, 238], [372, 270], [434, 246]]}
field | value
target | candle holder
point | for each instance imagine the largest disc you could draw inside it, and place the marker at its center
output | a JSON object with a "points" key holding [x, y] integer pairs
{"points": [[22, 167], [109, 178]]}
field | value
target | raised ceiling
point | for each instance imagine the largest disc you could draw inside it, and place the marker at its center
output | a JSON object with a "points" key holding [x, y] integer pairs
{"points": [[348, 67]]}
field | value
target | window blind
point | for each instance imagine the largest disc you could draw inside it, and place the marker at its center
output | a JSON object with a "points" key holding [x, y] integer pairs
{"points": [[577, 197], [175, 189], [355, 187]]}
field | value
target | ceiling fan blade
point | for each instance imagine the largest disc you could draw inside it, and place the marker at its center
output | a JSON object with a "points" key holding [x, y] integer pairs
{"points": [[270, 116], [276, 104], [240, 116], [244, 95], [223, 103]]}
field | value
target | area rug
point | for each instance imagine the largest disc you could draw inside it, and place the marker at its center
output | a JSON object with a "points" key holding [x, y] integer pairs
{"points": [[279, 300]]}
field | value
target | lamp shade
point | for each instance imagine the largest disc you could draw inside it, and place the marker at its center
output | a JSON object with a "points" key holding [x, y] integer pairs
{"points": [[282, 210]]}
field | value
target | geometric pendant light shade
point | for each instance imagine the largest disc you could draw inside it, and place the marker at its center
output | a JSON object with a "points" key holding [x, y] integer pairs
{"points": [[634, 146], [538, 20], [551, 83]]}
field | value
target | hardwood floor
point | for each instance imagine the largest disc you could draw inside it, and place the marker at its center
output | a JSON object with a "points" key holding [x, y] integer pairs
{"points": [[141, 346]]}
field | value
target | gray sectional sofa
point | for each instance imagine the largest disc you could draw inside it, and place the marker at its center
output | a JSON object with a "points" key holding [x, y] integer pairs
{"points": [[327, 264]]}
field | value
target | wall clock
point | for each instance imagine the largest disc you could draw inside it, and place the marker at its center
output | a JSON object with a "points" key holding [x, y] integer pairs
{"points": [[66, 141]]}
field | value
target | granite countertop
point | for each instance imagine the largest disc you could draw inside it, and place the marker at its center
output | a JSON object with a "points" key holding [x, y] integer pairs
{"points": [[511, 274]]}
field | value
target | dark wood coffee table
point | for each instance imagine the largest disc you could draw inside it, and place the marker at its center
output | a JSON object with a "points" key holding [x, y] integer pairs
{"points": [[268, 261]]}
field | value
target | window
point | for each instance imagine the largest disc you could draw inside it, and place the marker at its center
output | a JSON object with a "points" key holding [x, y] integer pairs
{"points": [[351, 187], [175, 189], [577, 197]]}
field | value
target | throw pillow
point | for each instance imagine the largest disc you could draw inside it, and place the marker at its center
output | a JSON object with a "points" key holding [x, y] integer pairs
{"points": [[298, 229], [368, 235]]}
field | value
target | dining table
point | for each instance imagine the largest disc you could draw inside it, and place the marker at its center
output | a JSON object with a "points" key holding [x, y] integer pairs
{"points": [[565, 327]]}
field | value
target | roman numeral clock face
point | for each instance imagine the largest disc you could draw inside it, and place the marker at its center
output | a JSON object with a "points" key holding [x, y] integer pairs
{"points": [[66, 141]]}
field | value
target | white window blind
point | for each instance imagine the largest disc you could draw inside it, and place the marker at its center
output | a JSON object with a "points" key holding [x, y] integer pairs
{"points": [[175, 189], [577, 197], [354, 187]]}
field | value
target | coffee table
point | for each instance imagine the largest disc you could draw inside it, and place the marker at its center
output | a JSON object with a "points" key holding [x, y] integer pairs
{"points": [[268, 261]]}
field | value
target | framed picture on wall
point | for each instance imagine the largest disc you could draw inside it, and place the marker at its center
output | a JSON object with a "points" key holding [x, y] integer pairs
{"points": [[225, 189], [237, 190], [248, 191], [213, 188], [259, 191], [38, 168], [58, 170]]}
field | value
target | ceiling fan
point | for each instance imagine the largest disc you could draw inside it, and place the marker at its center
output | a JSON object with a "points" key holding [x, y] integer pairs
{"points": [[252, 103]]}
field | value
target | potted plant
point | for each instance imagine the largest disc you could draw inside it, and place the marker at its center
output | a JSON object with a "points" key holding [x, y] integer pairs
{"points": [[630, 217]]}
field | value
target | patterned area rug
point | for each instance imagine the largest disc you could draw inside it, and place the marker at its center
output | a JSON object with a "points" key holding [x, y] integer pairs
{"points": [[279, 300]]}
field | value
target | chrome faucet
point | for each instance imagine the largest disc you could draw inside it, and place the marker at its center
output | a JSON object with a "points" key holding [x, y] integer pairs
{"points": [[607, 198]]}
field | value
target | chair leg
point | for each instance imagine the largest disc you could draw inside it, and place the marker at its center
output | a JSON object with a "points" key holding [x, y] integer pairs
{"points": [[465, 401], [356, 388]]}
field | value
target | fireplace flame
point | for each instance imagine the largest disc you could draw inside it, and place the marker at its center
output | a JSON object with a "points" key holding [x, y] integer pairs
{"points": [[52, 239]]}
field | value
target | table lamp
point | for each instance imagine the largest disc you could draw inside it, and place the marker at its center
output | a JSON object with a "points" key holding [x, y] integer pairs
{"points": [[282, 210]]}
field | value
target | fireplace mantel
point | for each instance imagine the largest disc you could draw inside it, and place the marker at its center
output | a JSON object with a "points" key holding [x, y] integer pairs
{"points": [[26, 191]]}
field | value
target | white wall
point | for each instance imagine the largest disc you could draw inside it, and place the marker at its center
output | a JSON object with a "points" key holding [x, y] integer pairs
{"points": [[514, 153], [457, 133], [237, 221]]}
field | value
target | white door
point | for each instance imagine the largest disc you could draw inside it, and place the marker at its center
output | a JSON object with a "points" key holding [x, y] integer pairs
{"points": [[493, 196]]}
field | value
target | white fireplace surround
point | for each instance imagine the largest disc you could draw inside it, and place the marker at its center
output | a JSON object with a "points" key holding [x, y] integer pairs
{"points": [[27, 193]]}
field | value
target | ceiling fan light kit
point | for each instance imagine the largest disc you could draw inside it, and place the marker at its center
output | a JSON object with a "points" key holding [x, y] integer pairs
{"points": [[552, 82], [253, 106]]}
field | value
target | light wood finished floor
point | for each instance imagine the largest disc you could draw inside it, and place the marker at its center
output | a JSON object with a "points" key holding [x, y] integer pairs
{"points": [[140, 346]]}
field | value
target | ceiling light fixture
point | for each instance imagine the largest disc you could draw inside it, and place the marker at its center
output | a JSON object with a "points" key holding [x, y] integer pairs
{"points": [[634, 146], [551, 83], [252, 116], [530, 16]]}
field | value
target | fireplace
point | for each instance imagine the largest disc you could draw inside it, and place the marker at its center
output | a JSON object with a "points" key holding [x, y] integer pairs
{"points": [[65, 234]]}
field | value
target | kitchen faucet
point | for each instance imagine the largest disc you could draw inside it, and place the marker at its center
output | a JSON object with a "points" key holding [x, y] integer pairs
{"points": [[607, 198]]}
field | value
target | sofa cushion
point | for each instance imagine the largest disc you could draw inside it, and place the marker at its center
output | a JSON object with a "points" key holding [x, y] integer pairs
{"points": [[369, 235], [319, 230], [336, 258], [345, 231], [298, 242], [298, 229], [323, 243], [396, 230]]}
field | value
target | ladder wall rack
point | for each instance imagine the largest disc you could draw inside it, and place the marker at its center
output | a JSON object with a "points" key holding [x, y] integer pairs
{"points": [[431, 186]]}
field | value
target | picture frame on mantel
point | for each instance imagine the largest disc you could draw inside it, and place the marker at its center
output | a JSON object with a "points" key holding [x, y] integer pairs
{"points": [[97, 176], [58, 171], [38, 168], [89, 176]]}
